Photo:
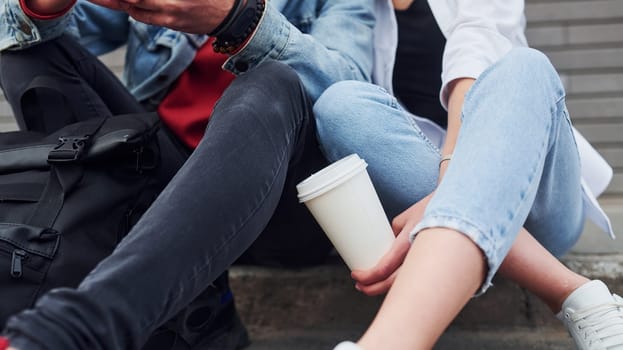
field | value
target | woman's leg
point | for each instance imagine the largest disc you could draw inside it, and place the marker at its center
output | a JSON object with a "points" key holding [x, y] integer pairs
{"points": [[403, 166], [357, 117], [209, 214], [441, 272], [515, 164], [532, 267], [509, 164]]}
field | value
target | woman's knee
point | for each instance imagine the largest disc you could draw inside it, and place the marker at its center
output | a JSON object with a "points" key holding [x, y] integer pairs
{"points": [[345, 113], [340, 100], [532, 72]]}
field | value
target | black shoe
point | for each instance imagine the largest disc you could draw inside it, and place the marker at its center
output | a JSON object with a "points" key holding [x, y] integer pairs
{"points": [[210, 322]]}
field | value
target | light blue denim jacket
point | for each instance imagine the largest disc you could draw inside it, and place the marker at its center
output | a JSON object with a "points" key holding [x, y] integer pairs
{"points": [[323, 40]]}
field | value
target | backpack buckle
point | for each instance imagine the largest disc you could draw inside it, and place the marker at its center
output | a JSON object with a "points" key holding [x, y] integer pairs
{"points": [[68, 149]]}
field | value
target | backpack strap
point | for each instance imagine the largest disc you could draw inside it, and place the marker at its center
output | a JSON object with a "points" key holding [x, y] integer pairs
{"points": [[62, 180], [72, 147], [65, 174]]}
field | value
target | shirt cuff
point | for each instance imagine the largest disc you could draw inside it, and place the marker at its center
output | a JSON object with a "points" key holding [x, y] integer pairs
{"points": [[268, 41], [32, 14]]}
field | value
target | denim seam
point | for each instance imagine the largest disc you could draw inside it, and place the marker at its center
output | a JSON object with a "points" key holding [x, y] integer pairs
{"points": [[567, 118], [522, 201], [421, 134]]}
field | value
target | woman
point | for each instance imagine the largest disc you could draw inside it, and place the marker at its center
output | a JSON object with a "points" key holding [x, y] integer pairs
{"points": [[506, 172]]}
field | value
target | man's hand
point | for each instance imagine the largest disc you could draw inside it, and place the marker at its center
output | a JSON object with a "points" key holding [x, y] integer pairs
{"points": [[189, 16], [47, 7], [380, 278]]}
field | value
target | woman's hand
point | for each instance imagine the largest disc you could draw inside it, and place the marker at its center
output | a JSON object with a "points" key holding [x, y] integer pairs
{"points": [[379, 279], [189, 16]]}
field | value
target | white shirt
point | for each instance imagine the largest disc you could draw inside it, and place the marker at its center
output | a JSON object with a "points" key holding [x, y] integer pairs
{"points": [[479, 33]]}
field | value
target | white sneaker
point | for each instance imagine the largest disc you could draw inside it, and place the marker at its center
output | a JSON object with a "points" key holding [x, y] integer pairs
{"points": [[594, 317], [346, 345]]}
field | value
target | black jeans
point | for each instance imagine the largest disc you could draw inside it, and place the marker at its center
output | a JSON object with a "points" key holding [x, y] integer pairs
{"points": [[235, 193]]}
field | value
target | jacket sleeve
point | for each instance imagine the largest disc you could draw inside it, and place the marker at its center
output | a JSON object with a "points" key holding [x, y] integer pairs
{"points": [[481, 32], [17, 30], [338, 46], [99, 29]]}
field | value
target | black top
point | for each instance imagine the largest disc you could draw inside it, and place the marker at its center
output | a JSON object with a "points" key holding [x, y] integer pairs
{"points": [[417, 74]]}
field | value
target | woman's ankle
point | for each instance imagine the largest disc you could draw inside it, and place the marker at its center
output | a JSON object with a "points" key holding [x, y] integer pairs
{"points": [[555, 302]]}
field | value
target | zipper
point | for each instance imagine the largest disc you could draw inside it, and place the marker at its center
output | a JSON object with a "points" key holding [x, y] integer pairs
{"points": [[17, 258], [138, 152]]}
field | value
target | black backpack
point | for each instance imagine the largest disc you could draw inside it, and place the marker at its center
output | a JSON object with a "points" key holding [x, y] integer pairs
{"points": [[68, 198]]}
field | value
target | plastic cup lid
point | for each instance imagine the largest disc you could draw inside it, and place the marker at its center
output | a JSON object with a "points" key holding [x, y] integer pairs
{"points": [[330, 177]]}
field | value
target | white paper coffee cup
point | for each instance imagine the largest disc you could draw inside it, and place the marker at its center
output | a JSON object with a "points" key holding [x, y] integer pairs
{"points": [[342, 199]]}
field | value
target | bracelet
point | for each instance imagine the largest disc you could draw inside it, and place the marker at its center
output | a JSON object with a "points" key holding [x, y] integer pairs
{"points": [[239, 24], [445, 158], [235, 9]]}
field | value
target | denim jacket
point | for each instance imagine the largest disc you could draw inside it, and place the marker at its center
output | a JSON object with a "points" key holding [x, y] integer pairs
{"points": [[323, 40]]}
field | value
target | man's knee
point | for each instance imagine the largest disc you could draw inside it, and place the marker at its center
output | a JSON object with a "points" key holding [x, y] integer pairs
{"points": [[278, 70], [44, 52], [20, 66], [271, 86], [277, 80]]}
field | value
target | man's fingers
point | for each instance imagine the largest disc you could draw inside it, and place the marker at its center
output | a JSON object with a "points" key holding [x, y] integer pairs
{"points": [[111, 4], [146, 16], [138, 3]]}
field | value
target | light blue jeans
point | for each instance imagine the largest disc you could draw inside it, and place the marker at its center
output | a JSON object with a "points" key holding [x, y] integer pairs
{"points": [[515, 163]]}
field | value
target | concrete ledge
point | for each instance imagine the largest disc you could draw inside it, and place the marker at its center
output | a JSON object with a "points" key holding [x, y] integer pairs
{"points": [[285, 303], [518, 339]]}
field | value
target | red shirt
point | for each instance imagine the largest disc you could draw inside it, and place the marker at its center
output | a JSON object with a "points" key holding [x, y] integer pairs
{"points": [[188, 106]]}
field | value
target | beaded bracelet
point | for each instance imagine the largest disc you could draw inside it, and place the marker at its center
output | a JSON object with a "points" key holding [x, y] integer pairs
{"points": [[445, 158], [240, 23]]}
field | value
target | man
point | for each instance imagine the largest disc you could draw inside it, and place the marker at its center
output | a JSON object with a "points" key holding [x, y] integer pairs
{"points": [[239, 180]]}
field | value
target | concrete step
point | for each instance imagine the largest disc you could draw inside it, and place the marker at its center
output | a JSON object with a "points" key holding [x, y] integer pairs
{"points": [[316, 307], [517, 339]]}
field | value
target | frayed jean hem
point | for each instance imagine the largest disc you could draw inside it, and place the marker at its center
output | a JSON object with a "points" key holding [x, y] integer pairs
{"points": [[477, 235]]}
